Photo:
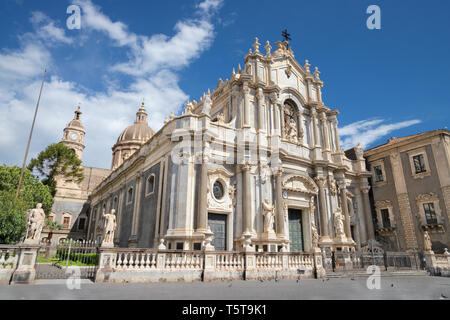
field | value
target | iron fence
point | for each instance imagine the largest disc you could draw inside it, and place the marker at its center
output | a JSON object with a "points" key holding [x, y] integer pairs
{"points": [[67, 259]]}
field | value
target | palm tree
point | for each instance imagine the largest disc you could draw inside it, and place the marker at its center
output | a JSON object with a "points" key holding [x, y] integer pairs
{"points": [[51, 226]]}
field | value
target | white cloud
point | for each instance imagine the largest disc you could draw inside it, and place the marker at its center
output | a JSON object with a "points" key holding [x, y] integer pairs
{"points": [[153, 64], [367, 132], [47, 30], [191, 38]]}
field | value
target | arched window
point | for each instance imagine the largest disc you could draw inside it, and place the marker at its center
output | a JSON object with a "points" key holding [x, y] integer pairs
{"points": [[130, 195], [115, 201], [150, 185]]}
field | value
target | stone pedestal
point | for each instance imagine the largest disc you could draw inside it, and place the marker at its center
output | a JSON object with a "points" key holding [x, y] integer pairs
{"points": [[25, 272], [430, 259], [106, 266], [318, 263]]}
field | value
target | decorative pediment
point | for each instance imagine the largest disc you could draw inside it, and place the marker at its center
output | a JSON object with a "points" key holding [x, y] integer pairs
{"points": [[300, 183], [383, 204], [427, 197]]}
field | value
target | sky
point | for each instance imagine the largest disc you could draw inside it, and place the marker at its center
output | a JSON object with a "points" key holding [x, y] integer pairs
{"points": [[386, 82]]}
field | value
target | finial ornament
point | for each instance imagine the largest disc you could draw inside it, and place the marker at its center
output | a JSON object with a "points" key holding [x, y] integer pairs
{"points": [[268, 49], [256, 45], [307, 65], [239, 68], [316, 73]]}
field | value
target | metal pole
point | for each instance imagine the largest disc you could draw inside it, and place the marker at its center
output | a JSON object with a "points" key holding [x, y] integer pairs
{"points": [[31, 134], [68, 253]]}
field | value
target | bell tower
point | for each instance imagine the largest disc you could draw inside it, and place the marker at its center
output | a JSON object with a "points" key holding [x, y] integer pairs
{"points": [[73, 136]]}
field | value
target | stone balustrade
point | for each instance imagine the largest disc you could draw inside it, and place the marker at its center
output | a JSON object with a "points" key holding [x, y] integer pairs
{"points": [[8, 262], [148, 265], [229, 260]]}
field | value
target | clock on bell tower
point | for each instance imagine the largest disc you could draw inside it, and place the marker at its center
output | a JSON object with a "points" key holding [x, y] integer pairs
{"points": [[73, 136]]}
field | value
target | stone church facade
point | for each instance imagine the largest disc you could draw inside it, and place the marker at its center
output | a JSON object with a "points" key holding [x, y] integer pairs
{"points": [[256, 161]]}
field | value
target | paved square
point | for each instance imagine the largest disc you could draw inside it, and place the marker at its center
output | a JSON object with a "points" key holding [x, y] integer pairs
{"points": [[407, 287]]}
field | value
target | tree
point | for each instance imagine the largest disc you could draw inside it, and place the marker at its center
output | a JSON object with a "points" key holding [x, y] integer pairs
{"points": [[32, 191], [13, 213], [13, 210], [57, 160]]}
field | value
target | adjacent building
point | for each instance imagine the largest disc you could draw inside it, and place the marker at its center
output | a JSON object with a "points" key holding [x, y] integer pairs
{"points": [[411, 190]]}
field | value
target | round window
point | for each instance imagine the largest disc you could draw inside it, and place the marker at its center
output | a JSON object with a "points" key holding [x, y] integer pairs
{"points": [[218, 190]]}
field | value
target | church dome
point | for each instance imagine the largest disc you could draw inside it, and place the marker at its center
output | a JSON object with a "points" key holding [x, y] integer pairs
{"points": [[137, 131], [132, 138]]}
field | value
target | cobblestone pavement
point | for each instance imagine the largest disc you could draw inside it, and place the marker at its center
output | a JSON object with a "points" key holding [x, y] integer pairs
{"points": [[411, 287]]}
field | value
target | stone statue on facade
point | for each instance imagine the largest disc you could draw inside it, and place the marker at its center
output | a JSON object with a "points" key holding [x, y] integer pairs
{"points": [[359, 151], [207, 103], [339, 223], [290, 128], [36, 221], [110, 228], [268, 213], [427, 241]]}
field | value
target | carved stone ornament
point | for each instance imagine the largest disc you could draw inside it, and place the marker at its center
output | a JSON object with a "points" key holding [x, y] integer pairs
{"points": [[299, 183], [332, 185], [220, 176]]}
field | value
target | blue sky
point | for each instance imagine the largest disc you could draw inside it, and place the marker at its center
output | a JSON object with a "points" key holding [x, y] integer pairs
{"points": [[388, 82]]}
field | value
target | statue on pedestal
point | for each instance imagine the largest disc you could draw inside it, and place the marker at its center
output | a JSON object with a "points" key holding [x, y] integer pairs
{"points": [[268, 213], [110, 228], [36, 221]]}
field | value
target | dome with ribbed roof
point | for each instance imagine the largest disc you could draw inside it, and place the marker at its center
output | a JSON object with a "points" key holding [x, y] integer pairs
{"points": [[132, 138]]}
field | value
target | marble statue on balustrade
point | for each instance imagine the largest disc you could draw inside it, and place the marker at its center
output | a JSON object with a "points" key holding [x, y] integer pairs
{"points": [[427, 242], [269, 215], [110, 228], [36, 221]]}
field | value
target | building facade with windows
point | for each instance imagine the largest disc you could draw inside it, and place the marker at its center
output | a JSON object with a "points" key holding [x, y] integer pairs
{"points": [[257, 161], [411, 190]]}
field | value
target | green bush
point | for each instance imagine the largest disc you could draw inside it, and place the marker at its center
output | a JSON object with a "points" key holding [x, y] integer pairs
{"points": [[85, 258]]}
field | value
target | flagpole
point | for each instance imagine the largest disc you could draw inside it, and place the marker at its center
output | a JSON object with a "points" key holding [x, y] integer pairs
{"points": [[31, 134]]}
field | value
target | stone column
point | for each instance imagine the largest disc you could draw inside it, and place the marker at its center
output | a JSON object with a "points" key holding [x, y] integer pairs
{"points": [[343, 189], [246, 91], [279, 205], [336, 135], [314, 124], [261, 109], [275, 118], [368, 213], [136, 211], [281, 108], [300, 127], [246, 199], [320, 181], [202, 218], [122, 193], [323, 119]]}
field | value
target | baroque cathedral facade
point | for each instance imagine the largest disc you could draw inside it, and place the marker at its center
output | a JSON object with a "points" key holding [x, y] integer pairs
{"points": [[257, 160]]}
